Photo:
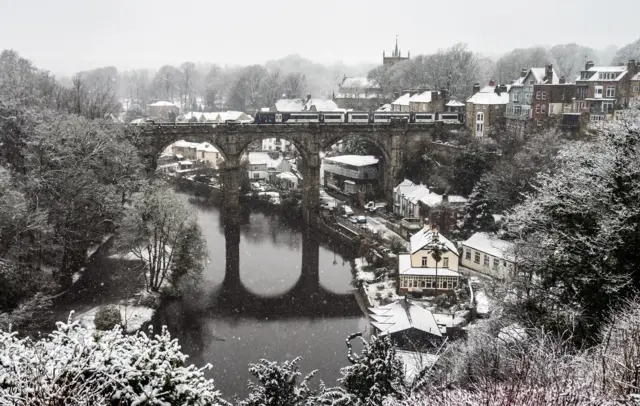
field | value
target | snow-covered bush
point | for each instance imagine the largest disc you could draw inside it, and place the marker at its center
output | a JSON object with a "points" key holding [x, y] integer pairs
{"points": [[73, 366], [278, 385], [107, 317]]}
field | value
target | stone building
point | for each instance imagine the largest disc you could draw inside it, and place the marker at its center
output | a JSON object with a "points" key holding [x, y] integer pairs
{"points": [[396, 56], [352, 174], [519, 113], [359, 94], [552, 100], [163, 110], [603, 90], [486, 108]]}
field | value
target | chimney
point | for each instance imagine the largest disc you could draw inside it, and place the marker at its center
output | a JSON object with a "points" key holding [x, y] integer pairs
{"points": [[445, 197], [548, 73], [562, 80], [444, 95], [492, 83], [308, 97], [503, 88], [524, 72], [632, 67], [476, 88], [588, 65], [397, 94], [434, 96]]}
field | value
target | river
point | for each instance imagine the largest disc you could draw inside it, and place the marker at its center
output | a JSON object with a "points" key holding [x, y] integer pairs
{"points": [[290, 296]]}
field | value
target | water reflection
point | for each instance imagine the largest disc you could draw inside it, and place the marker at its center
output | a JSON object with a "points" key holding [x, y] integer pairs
{"points": [[280, 292]]}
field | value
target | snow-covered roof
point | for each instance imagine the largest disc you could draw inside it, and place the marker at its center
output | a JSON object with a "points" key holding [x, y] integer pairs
{"points": [[403, 184], [403, 315], [489, 97], [185, 144], [162, 104], [217, 117], [457, 199], [424, 97], [454, 103], [355, 160], [415, 194], [385, 107], [539, 73], [186, 162], [402, 100], [415, 362], [405, 268], [287, 175], [595, 70], [636, 77], [427, 237], [359, 82], [260, 158], [206, 147], [491, 245], [321, 105]]}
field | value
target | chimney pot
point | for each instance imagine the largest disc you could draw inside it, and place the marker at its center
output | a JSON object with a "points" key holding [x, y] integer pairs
{"points": [[562, 80], [588, 65], [524, 72], [476, 88], [492, 82]]}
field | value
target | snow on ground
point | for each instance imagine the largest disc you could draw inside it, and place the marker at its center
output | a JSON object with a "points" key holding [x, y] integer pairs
{"points": [[133, 317], [482, 303], [382, 293], [512, 333], [94, 248]]}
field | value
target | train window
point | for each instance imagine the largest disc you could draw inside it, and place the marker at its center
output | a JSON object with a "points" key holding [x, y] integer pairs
{"points": [[332, 117], [360, 116]]}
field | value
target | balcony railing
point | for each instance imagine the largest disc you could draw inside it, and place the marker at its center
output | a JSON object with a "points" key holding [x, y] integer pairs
{"points": [[596, 117], [363, 173]]}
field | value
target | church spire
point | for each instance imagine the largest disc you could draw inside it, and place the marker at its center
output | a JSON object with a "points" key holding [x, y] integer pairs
{"points": [[396, 52]]}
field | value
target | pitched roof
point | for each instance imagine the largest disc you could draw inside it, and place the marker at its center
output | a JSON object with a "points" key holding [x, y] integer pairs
{"points": [[403, 315], [454, 103], [402, 100], [429, 238], [620, 70], [491, 245], [636, 77], [424, 97], [385, 107], [261, 158], [206, 147], [305, 105], [489, 97], [400, 186]]}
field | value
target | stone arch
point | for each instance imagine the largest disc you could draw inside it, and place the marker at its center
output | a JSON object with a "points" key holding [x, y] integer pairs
{"points": [[373, 138], [292, 138], [153, 144]]}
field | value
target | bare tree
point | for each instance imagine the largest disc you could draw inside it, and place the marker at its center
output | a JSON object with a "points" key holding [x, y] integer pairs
{"points": [[187, 96]]}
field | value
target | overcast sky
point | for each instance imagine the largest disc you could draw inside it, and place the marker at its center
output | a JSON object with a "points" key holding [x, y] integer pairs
{"points": [[65, 36]]}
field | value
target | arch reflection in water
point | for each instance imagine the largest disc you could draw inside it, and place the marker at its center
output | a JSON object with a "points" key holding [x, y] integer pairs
{"points": [[306, 299]]}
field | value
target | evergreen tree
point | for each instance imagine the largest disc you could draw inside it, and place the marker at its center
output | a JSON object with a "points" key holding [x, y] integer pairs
{"points": [[278, 385], [477, 212], [375, 374]]}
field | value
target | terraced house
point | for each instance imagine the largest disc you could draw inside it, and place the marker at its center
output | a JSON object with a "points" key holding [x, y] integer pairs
{"points": [[601, 91]]}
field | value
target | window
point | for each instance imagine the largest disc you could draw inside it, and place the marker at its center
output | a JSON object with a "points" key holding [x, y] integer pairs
{"points": [[544, 95], [607, 107], [496, 263], [486, 260], [538, 95], [543, 109], [581, 92], [423, 283], [515, 97], [599, 90], [256, 175], [527, 96], [202, 155], [611, 91], [476, 258], [636, 89], [424, 261], [537, 109], [467, 255], [445, 262], [532, 82]]}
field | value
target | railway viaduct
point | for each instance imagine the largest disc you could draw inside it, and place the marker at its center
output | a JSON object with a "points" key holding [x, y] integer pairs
{"points": [[232, 140]]}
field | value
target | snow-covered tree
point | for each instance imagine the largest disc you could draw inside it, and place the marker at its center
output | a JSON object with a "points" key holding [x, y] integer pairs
{"points": [[77, 367], [374, 374], [278, 385], [159, 229], [478, 216], [577, 235], [629, 51]]}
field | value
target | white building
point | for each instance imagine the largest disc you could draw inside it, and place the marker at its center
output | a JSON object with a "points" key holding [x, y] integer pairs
{"points": [[266, 166], [405, 322], [489, 255], [408, 197], [418, 270], [351, 173], [201, 152], [276, 144]]}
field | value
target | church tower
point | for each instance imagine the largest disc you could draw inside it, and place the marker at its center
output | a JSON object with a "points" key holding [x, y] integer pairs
{"points": [[396, 56]]}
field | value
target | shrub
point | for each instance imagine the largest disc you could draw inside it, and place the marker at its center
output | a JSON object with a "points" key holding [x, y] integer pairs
{"points": [[107, 318]]}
